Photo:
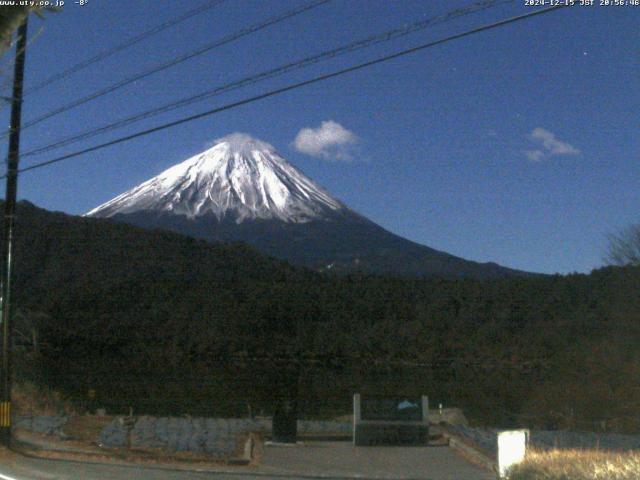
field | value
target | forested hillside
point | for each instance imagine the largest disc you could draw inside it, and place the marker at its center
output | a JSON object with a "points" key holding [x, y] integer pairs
{"points": [[169, 324]]}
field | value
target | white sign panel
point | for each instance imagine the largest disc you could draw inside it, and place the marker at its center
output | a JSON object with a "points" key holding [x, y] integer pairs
{"points": [[512, 446]]}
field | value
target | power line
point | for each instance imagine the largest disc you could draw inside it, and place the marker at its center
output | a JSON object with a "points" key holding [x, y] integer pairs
{"points": [[275, 72], [294, 86], [182, 58], [118, 48]]}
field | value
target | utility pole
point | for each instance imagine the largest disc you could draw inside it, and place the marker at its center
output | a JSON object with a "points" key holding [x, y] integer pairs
{"points": [[7, 246]]}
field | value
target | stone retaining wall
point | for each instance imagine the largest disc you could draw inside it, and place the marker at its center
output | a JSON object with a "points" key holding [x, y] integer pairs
{"points": [[198, 435], [218, 437], [214, 436], [45, 424]]}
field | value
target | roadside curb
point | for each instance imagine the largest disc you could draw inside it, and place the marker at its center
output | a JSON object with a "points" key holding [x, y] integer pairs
{"points": [[469, 449], [126, 460]]}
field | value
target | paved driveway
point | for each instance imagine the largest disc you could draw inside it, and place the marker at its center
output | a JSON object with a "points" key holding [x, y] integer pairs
{"points": [[342, 459]]}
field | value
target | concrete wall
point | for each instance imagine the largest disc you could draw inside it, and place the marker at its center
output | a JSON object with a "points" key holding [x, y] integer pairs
{"points": [[45, 424], [219, 437], [213, 436]]}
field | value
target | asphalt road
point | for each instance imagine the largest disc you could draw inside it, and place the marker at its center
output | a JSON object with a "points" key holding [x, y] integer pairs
{"points": [[327, 460], [24, 468]]}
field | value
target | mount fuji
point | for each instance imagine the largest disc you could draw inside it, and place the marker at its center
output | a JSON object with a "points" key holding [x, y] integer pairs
{"points": [[242, 189]]}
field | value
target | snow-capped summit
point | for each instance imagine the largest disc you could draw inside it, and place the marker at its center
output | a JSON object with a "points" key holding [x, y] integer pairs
{"points": [[239, 178], [242, 189]]}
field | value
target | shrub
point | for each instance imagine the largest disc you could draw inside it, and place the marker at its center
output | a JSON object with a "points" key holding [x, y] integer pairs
{"points": [[30, 399]]}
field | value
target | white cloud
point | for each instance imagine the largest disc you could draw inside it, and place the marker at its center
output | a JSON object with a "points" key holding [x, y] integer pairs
{"points": [[535, 155], [330, 141], [549, 145], [240, 141]]}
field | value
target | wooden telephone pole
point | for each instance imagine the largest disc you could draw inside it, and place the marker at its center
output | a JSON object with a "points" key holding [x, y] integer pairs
{"points": [[7, 245]]}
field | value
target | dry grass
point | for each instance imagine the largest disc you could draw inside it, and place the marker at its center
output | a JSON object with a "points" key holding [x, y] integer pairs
{"points": [[578, 465], [29, 399], [7, 456]]}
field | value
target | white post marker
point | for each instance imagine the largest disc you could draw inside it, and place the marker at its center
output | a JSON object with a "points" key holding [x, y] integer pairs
{"points": [[512, 447], [356, 414], [425, 409]]}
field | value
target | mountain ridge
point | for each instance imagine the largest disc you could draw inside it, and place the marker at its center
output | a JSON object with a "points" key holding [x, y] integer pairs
{"points": [[239, 177], [242, 189]]}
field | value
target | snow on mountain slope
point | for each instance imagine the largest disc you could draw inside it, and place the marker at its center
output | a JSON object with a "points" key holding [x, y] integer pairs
{"points": [[239, 178], [241, 189]]}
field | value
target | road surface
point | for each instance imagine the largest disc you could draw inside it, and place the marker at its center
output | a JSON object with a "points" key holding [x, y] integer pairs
{"points": [[327, 460]]}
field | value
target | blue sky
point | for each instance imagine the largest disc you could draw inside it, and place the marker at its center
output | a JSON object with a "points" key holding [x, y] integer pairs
{"points": [[519, 145]]}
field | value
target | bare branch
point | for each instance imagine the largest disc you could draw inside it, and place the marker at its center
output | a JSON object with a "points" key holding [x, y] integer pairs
{"points": [[624, 247]]}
